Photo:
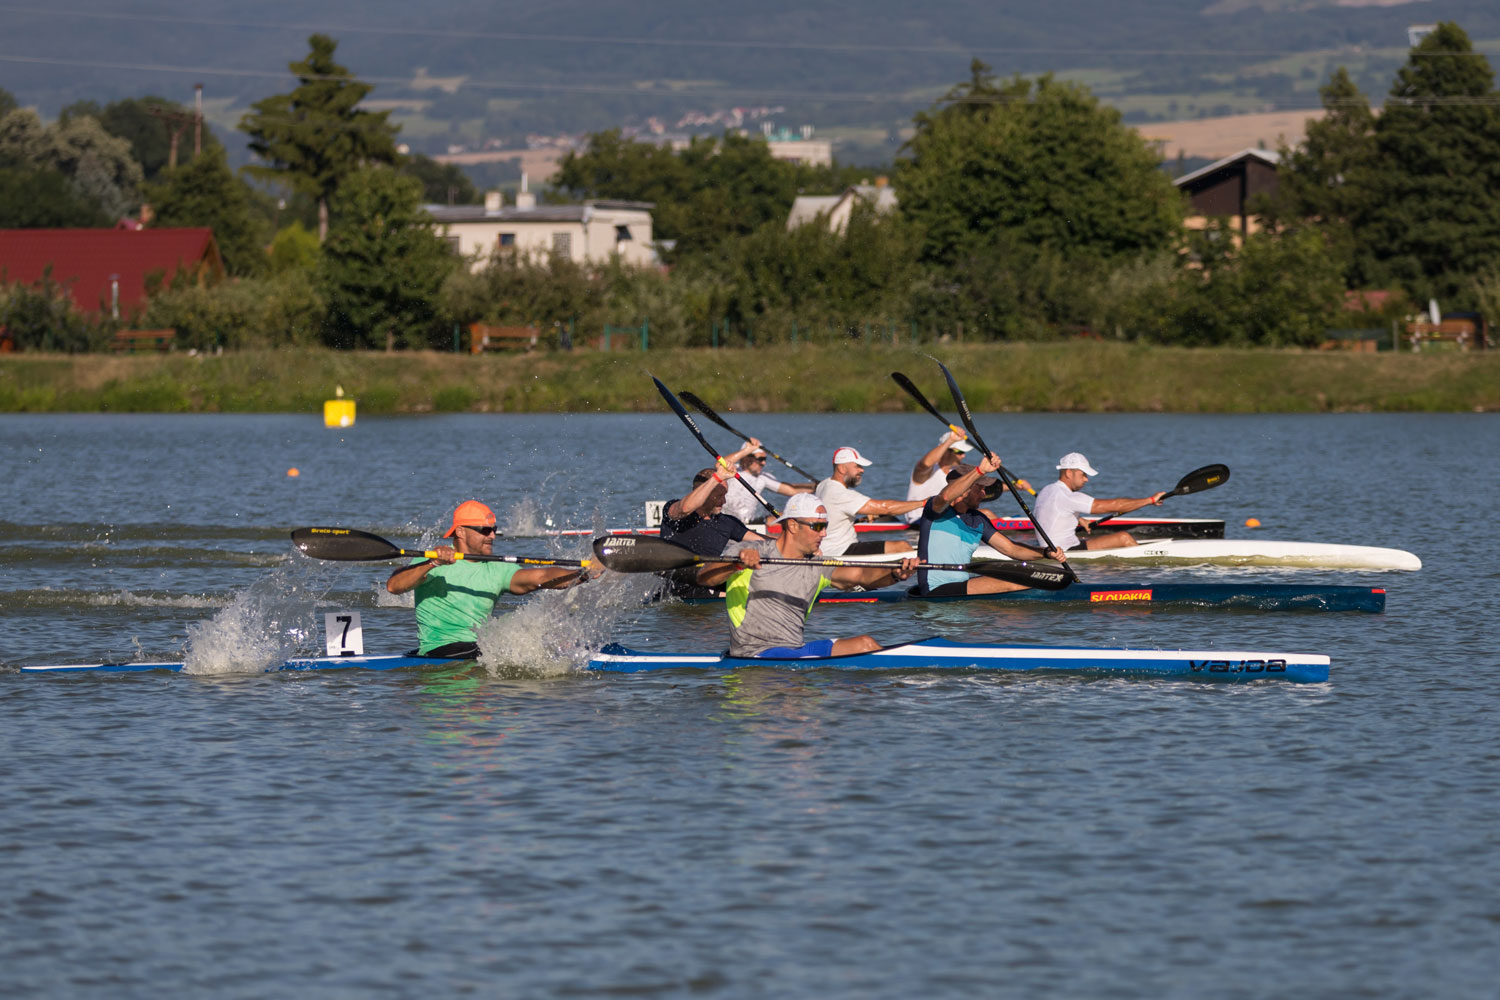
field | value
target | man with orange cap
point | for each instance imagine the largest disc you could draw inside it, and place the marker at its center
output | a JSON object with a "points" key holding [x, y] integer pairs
{"points": [[455, 595]]}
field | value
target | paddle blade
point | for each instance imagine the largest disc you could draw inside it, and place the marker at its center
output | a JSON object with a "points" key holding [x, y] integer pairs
{"points": [[345, 544], [1025, 573], [1202, 479], [642, 554], [916, 394]]}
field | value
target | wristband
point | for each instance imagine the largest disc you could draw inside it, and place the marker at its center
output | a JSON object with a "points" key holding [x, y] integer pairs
{"points": [[718, 478]]}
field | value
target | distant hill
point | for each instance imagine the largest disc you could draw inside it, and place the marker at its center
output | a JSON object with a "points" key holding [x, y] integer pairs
{"points": [[467, 71]]}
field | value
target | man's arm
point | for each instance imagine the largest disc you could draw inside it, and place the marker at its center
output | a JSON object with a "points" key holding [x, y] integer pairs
{"points": [[697, 499], [845, 577], [789, 489], [407, 577], [551, 578], [1124, 505], [889, 506]]}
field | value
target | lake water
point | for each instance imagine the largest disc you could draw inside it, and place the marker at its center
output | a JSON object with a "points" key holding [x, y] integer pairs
{"points": [[524, 829]]}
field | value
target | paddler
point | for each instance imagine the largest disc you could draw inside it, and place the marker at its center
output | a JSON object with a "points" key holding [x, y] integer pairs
{"points": [[740, 502], [845, 504], [952, 526], [454, 597], [1060, 507], [930, 474], [769, 603]]}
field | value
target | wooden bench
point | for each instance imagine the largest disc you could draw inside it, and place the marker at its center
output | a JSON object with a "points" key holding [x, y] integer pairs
{"points": [[1462, 333], [131, 341], [499, 338]]}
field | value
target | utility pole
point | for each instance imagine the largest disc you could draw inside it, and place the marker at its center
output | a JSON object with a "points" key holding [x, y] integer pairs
{"points": [[172, 117], [198, 119]]}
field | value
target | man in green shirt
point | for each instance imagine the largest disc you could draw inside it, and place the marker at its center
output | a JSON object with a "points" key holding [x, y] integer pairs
{"points": [[455, 596]]}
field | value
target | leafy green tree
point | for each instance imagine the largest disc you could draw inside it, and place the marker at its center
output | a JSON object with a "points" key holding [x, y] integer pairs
{"points": [[41, 317], [1430, 218], [1319, 183], [44, 199], [295, 248], [98, 164], [8, 102], [713, 190], [260, 312], [442, 183], [205, 193], [144, 123], [383, 266], [314, 137], [1041, 162]]}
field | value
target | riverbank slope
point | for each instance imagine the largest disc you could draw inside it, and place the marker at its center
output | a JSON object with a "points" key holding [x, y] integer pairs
{"points": [[1070, 377]]}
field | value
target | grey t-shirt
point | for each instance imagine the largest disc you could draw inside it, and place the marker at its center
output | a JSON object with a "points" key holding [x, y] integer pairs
{"points": [[769, 605]]}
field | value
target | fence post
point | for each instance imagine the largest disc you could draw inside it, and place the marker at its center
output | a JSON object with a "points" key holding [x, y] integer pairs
{"points": [[645, 332], [455, 338], [794, 331], [606, 338]]}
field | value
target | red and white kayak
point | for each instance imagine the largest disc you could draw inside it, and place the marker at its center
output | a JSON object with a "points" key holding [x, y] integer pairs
{"points": [[1228, 552]]}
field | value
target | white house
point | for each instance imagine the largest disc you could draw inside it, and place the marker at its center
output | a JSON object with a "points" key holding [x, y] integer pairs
{"points": [[589, 233], [836, 208]]}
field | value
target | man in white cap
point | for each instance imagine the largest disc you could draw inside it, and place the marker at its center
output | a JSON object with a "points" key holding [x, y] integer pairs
{"points": [[930, 474], [845, 504], [768, 603], [455, 596], [1060, 507]]}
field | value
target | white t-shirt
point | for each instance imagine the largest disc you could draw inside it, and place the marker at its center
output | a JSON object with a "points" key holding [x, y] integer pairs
{"points": [[925, 490], [1057, 511], [843, 507], [742, 505]]}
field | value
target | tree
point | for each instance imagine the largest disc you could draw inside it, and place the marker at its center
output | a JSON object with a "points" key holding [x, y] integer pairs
{"points": [[206, 193], [314, 137], [383, 266], [442, 183], [1319, 183], [149, 124], [98, 164], [1430, 214], [8, 102], [1042, 163], [44, 199]]}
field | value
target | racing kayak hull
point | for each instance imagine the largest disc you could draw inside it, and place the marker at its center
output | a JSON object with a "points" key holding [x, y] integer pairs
{"points": [[943, 654], [1226, 552], [1258, 596], [307, 663]]}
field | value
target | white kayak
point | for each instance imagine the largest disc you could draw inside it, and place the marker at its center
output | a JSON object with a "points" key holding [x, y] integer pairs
{"points": [[1232, 552]]}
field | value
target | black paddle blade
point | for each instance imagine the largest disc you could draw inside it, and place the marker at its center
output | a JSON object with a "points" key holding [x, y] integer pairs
{"points": [[703, 408], [1202, 479], [642, 554], [915, 393], [1025, 573], [345, 544]]}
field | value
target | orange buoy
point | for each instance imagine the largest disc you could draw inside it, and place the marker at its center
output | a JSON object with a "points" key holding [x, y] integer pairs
{"points": [[293, 472], [1252, 522]]}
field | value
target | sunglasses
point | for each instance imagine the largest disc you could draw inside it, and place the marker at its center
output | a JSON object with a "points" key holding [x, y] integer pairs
{"points": [[487, 529], [814, 525]]}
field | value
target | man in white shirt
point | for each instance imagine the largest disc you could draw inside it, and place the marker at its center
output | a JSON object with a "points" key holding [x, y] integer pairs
{"points": [[930, 475], [741, 503], [845, 504], [1060, 507]]}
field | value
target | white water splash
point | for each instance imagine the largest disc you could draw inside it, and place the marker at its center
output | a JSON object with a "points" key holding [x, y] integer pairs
{"points": [[556, 632], [270, 622]]}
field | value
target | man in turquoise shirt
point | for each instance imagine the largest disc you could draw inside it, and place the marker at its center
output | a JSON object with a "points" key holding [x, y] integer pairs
{"points": [[455, 596]]}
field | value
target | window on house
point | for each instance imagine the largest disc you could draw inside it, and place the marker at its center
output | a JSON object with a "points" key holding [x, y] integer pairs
{"points": [[562, 245], [507, 239], [454, 245], [622, 233]]}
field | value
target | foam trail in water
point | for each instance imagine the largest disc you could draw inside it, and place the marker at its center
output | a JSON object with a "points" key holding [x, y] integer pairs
{"points": [[556, 632], [271, 621]]}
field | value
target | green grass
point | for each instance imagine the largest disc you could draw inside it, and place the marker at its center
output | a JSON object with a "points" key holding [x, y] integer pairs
{"points": [[1065, 377]]}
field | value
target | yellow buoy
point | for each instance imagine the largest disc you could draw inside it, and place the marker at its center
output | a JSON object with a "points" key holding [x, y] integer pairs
{"points": [[1252, 522], [292, 472], [338, 412]]}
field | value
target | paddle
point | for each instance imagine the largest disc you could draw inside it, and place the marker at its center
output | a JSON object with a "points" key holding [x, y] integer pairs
{"points": [[681, 411], [1196, 481], [649, 554], [708, 412], [968, 419], [915, 393], [352, 545]]}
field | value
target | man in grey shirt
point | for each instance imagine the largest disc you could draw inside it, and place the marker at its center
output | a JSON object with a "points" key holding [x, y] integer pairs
{"points": [[768, 603]]}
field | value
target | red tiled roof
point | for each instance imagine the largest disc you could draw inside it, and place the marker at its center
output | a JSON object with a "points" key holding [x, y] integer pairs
{"points": [[86, 260]]}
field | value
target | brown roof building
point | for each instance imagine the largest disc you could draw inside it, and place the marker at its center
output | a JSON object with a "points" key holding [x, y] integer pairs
{"points": [[1223, 188]]}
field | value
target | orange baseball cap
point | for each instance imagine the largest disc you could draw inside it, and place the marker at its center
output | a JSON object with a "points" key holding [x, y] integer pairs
{"points": [[470, 512]]}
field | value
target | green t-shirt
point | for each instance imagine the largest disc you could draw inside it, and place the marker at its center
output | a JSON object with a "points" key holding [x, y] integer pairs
{"points": [[453, 600]]}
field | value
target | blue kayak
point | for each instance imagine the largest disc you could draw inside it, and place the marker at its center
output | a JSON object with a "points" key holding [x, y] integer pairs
{"points": [[924, 654], [944, 654]]}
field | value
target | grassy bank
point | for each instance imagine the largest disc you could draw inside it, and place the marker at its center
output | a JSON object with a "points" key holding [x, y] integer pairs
{"points": [[1097, 377]]}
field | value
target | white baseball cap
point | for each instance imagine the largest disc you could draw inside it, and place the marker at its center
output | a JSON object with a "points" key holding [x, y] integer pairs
{"points": [[961, 446], [850, 455], [804, 505], [1075, 460]]}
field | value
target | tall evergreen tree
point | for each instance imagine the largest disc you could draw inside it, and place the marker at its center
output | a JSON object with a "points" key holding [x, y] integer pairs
{"points": [[314, 137], [205, 192], [383, 266], [1430, 218]]}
